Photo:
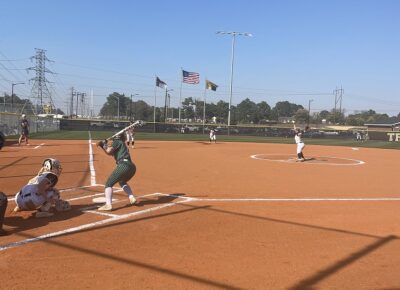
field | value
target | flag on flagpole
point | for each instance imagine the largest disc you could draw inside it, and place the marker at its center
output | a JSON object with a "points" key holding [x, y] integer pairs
{"points": [[160, 83], [192, 78], [211, 86]]}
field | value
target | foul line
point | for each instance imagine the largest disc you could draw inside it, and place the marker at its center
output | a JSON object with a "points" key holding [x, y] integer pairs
{"points": [[91, 166], [87, 226], [184, 199], [286, 199], [39, 146]]}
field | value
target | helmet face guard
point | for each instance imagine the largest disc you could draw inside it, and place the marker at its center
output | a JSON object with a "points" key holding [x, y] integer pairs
{"points": [[52, 165]]}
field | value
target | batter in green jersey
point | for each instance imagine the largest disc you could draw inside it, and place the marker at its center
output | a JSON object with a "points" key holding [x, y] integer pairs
{"points": [[124, 171]]}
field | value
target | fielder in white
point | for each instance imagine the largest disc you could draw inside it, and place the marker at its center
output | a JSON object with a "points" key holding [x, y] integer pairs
{"points": [[130, 137], [213, 136], [40, 193]]}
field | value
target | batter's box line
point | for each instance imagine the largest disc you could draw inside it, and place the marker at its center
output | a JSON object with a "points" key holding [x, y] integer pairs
{"points": [[89, 225], [305, 199], [69, 189]]}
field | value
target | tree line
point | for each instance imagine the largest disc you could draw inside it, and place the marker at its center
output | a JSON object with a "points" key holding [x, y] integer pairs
{"points": [[246, 112]]}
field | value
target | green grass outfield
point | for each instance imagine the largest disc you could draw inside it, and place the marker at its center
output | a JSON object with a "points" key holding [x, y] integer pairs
{"points": [[99, 135]]}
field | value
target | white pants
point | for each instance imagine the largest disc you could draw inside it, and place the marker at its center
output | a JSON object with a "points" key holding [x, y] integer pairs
{"points": [[300, 147], [130, 138]]}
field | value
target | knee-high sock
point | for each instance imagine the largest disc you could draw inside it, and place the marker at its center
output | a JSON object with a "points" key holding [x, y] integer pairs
{"points": [[299, 155], [302, 156], [108, 192], [127, 189]]}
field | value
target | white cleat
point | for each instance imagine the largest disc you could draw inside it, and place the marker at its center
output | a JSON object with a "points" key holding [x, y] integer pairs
{"points": [[132, 200], [106, 207]]}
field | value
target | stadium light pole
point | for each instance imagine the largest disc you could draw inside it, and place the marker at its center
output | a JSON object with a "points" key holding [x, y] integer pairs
{"points": [[233, 33], [165, 107], [130, 107], [12, 94], [309, 111]]}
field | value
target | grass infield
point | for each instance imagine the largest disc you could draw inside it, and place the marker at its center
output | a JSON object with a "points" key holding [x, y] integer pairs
{"points": [[99, 135]]}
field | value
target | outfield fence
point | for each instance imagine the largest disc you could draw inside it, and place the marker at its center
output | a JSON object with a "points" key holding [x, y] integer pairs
{"points": [[10, 124], [191, 128]]}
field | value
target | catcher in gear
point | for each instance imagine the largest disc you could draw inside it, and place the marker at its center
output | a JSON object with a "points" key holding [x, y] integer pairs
{"points": [[124, 171], [40, 193]]}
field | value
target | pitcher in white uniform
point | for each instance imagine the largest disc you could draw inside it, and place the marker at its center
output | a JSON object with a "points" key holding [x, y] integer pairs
{"points": [[300, 144]]}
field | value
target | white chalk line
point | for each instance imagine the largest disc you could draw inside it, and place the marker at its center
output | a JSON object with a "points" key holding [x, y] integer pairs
{"points": [[91, 165], [306, 199], [292, 160], [38, 146], [113, 218], [184, 199]]}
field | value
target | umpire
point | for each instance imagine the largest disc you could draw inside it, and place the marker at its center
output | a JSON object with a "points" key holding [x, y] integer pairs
{"points": [[124, 171], [3, 206]]}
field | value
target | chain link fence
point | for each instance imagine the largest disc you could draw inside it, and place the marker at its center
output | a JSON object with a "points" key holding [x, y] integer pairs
{"points": [[10, 124]]}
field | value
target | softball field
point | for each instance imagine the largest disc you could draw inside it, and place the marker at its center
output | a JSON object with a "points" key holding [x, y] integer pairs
{"points": [[210, 216]]}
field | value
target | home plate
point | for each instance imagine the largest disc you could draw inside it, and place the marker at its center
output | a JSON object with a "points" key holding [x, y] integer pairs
{"points": [[101, 200]]}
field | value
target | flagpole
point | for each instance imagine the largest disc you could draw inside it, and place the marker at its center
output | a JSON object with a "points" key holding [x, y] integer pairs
{"points": [[180, 97], [204, 106], [155, 102]]}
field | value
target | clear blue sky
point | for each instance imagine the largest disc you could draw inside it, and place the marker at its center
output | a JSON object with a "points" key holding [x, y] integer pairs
{"points": [[300, 50]]}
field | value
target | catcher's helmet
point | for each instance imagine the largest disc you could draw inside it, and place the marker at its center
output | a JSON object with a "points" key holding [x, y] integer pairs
{"points": [[52, 165]]}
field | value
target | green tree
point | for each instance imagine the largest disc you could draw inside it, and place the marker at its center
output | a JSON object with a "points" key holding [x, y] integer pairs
{"points": [[301, 116], [246, 112], [263, 111], [285, 109], [110, 108]]}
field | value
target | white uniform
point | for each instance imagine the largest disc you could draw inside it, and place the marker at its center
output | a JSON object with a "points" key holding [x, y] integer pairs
{"points": [[299, 142], [213, 137], [29, 198], [130, 135]]}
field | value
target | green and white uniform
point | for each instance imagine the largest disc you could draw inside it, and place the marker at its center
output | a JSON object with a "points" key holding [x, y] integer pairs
{"points": [[125, 169]]}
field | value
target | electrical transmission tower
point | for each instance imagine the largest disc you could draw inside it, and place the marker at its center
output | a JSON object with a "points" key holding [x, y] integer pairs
{"points": [[338, 99], [40, 92]]}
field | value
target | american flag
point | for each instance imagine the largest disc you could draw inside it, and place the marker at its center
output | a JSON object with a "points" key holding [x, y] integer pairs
{"points": [[190, 77]]}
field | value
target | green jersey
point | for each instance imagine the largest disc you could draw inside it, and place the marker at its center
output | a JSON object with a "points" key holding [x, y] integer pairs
{"points": [[121, 151]]}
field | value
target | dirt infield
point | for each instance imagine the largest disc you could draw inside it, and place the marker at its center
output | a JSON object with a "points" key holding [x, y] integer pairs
{"points": [[211, 216]]}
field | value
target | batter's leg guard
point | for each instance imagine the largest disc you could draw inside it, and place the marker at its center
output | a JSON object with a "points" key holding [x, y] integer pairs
{"points": [[3, 207]]}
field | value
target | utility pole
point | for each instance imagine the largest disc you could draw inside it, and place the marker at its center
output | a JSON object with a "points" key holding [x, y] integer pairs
{"points": [[12, 94], [71, 105], [77, 103], [309, 112]]}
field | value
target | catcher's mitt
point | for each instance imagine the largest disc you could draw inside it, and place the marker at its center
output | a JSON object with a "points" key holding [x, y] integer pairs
{"points": [[62, 205]]}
